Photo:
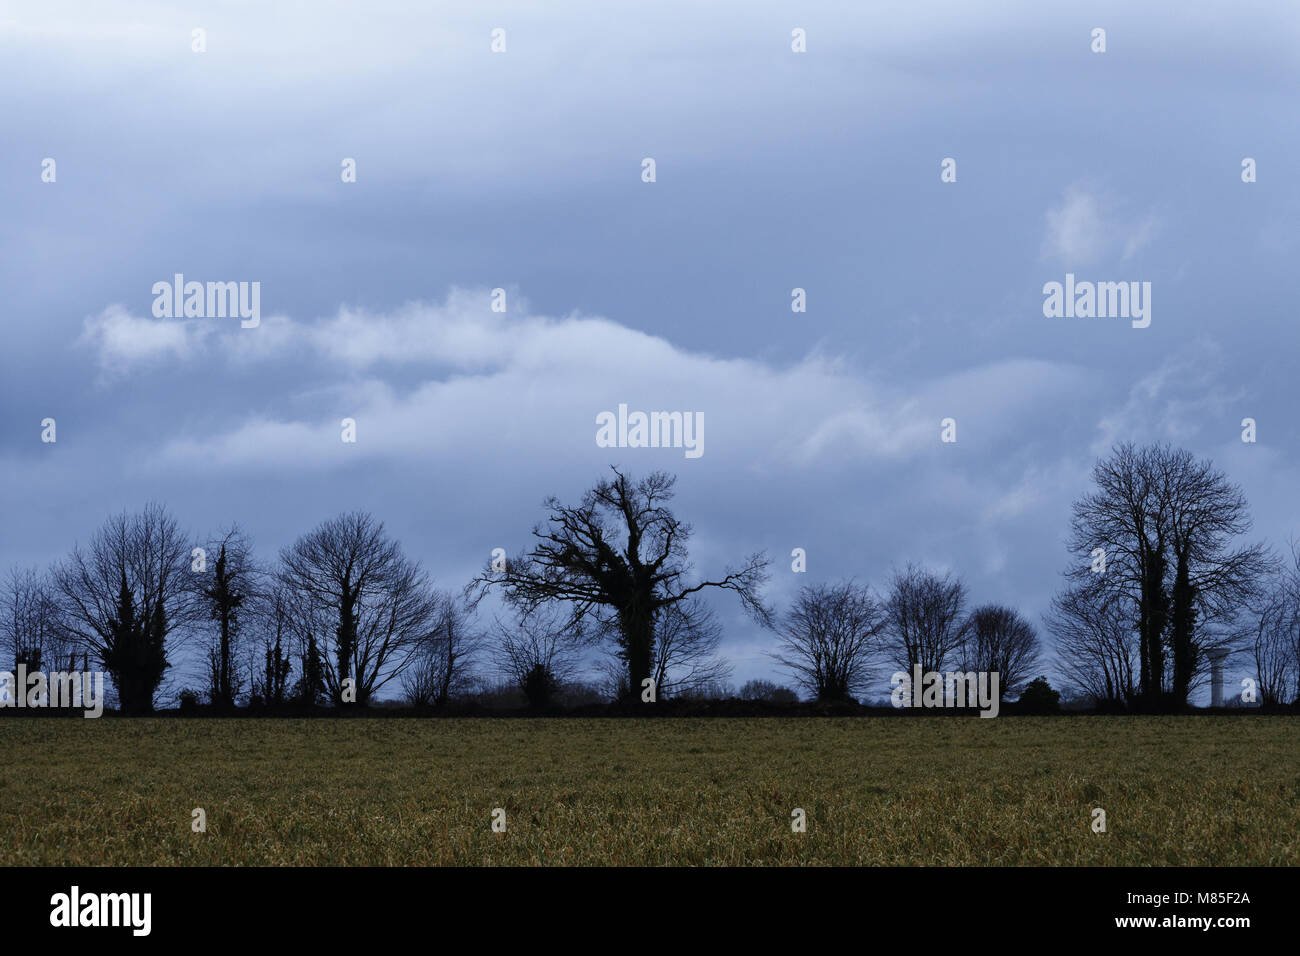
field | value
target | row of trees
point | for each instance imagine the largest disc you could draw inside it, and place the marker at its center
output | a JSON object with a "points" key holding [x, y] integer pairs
{"points": [[344, 612], [836, 637], [1160, 584]]}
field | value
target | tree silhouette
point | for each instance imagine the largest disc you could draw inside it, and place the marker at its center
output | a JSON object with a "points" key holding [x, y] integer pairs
{"points": [[537, 655], [618, 559], [924, 623], [442, 658], [30, 624], [311, 685], [1165, 523], [1096, 644], [134, 652], [348, 577], [226, 592], [829, 638], [998, 640], [1273, 627], [122, 597]]}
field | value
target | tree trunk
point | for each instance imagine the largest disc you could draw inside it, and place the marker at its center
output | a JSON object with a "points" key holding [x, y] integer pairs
{"points": [[227, 698], [1184, 615], [346, 640], [1154, 614], [637, 624]]}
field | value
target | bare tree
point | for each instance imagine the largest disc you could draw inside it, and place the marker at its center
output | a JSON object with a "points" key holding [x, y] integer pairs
{"points": [[924, 621], [611, 678], [686, 658], [1097, 644], [998, 640], [1123, 525], [379, 604], [1275, 641], [310, 687], [829, 638], [443, 657], [619, 560], [1272, 654], [1164, 523], [124, 595], [270, 681], [537, 654], [229, 589], [30, 625], [1211, 581], [687, 637], [768, 692], [305, 624]]}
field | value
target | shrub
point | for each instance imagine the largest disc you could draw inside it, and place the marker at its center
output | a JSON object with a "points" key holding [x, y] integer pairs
{"points": [[1038, 697], [539, 686], [769, 692]]}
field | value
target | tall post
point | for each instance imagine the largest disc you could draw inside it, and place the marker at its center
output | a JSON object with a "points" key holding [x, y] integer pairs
{"points": [[1217, 657]]}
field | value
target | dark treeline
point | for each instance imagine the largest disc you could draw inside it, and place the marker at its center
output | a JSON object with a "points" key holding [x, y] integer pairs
{"points": [[342, 621]]}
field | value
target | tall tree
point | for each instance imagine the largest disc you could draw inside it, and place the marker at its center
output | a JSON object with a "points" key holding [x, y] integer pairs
{"points": [[686, 659], [1212, 580], [227, 589], [379, 602], [998, 640], [1164, 525], [444, 657], [124, 595], [1097, 644], [618, 559], [30, 625], [829, 638], [273, 613], [923, 614], [135, 655], [311, 683], [1274, 632], [276, 668], [1123, 525]]}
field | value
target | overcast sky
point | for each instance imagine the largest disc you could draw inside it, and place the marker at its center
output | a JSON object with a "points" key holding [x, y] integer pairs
{"points": [[522, 170]]}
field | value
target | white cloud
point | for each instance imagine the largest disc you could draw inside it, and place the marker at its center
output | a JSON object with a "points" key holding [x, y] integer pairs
{"points": [[1174, 402], [1074, 228], [1086, 227], [506, 385], [122, 341]]}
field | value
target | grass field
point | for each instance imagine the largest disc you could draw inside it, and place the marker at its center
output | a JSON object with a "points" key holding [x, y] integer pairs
{"points": [[712, 791]]}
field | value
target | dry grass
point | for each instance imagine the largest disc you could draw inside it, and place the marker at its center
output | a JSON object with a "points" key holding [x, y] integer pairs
{"points": [[876, 791]]}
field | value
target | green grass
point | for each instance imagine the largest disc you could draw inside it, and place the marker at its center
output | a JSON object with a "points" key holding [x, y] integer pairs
{"points": [[889, 791]]}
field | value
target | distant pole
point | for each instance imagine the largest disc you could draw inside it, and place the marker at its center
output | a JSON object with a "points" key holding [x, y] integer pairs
{"points": [[1217, 658]]}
